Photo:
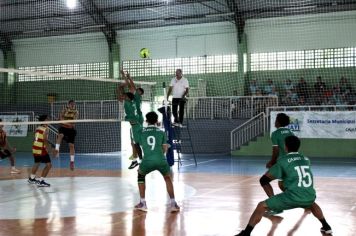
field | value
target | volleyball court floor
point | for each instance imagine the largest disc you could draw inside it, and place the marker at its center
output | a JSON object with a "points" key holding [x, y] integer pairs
{"points": [[217, 198]]}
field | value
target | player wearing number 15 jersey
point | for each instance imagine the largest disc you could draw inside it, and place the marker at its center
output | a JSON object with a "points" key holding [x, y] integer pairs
{"points": [[154, 144], [294, 169], [278, 136]]}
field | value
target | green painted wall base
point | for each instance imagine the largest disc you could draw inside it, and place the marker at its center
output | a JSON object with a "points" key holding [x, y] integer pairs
{"points": [[22, 144], [310, 147]]}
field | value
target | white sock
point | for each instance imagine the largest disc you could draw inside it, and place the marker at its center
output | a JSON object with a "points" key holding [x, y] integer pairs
{"points": [[173, 201], [13, 167], [143, 200], [32, 176], [72, 158], [41, 179], [57, 146]]}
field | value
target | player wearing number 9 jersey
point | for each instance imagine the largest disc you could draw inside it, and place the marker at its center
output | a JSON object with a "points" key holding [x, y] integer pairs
{"points": [[294, 169], [154, 144]]}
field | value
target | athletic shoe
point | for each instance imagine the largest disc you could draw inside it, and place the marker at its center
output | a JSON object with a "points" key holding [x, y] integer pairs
{"points": [[71, 165], [242, 233], [273, 212], [175, 207], [175, 124], [141, 206], [43, 184], [131, 158], [15, 171], [33, 181], [133, 165], [326, 230]]}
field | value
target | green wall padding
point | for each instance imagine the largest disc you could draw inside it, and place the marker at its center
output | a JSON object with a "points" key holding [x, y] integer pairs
{"points": [[309, 147], [22, 144]]}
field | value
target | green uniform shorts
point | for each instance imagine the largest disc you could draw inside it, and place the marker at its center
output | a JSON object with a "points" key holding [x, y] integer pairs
{"points": [[283, 201], [148, 166], [136, 130]]}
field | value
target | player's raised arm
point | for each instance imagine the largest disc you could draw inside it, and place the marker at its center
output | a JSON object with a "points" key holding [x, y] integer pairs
{"points": [[129, 81]]}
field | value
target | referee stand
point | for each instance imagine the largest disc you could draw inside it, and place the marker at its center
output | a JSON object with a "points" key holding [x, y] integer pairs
{"points": [[182, 138]]}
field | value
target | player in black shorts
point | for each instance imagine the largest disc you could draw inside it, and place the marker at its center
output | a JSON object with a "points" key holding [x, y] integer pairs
{"points": [[40, 150], [67, 130], [6, 151]]}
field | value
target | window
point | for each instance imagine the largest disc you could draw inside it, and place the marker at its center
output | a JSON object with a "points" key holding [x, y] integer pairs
{"points": [[318, 58], [189, 65], [96, 69]]}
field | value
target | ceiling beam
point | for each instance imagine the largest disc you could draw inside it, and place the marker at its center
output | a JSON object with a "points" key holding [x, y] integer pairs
{"points": [[98, 17], [310, 8], [24, 3], [133, 24], [113, 9], [5, 42], [238, 18]]}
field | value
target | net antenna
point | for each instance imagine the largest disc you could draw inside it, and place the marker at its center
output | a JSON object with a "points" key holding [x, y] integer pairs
{"points": [[165, 100]]}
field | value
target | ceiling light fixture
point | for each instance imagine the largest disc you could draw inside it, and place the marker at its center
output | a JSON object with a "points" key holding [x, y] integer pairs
{"points": [[71, 4]]}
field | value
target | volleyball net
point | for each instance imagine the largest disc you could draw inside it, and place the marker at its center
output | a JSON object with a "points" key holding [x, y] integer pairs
{"points": [[35, 93]]}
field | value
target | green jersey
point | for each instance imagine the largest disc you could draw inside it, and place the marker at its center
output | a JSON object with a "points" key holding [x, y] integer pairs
{"points": [[278, 136], [294, 169], [130, 111], [151, 140], [138, 102]]}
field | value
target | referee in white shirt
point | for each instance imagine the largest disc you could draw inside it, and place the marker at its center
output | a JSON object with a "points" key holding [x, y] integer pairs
{"points": [[180, 87]]}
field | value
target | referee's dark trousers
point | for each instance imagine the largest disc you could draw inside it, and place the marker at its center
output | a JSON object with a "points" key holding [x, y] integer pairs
{"points": [[178, 102]]}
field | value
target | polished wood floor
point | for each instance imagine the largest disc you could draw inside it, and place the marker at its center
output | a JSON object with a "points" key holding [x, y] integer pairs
{"points": [[100, 202]]}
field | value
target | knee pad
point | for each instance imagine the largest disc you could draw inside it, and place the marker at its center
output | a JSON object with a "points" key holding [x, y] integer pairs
{"points": [[264, 180], [141, 178]]}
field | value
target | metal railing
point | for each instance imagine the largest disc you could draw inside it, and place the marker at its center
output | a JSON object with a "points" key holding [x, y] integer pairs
{"points": [[232, 107], [106, 109], [247, 131], [235, 107], [52, 134]]}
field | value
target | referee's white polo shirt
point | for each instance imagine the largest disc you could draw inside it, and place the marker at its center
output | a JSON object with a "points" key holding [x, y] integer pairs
{"points": [[179, 87]]}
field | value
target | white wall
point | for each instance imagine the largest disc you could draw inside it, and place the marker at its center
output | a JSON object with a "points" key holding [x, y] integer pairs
{"points": [[82, 48], [182, 41], [329, 30], [164, 42]]}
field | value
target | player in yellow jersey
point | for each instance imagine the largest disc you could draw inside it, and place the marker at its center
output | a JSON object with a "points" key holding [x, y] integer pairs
{"points": [[40, 150], [67, 130]]}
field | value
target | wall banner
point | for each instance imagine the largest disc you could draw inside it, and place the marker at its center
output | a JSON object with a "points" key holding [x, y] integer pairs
{"points": [[15, 130], [321, 124]]}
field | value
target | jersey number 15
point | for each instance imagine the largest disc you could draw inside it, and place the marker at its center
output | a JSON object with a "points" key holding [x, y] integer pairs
{"points": [[304, 175]]}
